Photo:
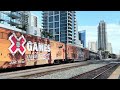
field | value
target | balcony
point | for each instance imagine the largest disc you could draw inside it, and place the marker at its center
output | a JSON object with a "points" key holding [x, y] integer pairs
{"points": [[14, 15], [70, 21], [45, 13], [70, 27], [69, 31], [70, 14], [44, 18], [75, 23], [70, 42], [70, 17], [1, 19], [44, 27], [75, 28], [70, 36], [14, 23], [74, 33], [70, 24], [44, 23]]}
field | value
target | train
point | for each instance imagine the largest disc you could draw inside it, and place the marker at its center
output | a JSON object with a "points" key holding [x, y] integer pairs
{"points": [[113, 56], [19, 49]]}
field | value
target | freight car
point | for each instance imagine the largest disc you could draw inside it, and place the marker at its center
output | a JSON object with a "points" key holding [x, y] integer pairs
{"points": [[113, 56], [20, 50]]}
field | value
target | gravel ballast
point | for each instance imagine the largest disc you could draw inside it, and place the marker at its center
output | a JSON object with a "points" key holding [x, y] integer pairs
{"points": [[71, 72]]}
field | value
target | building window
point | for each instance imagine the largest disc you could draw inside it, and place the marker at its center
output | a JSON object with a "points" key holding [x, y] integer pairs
{"points": [[62, 12], [63, 39], [51, 31], [50, 12], [51, 19], [57, 18], [57, 37], [61, 25], [63, 18], [50, 25], [63, 32], [63, 35], [56, 12], [56, 24], [57, 31], [63, 28], [63, 21]]}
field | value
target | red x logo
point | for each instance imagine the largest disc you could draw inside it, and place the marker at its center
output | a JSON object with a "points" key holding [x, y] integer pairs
{"points": [[17, 44]]}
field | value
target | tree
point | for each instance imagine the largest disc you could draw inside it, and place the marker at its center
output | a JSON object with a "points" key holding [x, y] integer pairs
{"points": [[106, 54], [46, 34], [100, 48]]}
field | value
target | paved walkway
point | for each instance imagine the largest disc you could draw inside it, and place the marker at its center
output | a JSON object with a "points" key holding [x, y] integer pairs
{"points": [[115, 74]]}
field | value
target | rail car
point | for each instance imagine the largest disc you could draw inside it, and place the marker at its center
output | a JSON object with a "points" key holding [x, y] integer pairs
{"points": [[20, 50], [113, 56], [93, 55]]}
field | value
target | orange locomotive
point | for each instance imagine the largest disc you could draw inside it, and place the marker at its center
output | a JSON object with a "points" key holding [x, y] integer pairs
{"points": [[19, 50]]}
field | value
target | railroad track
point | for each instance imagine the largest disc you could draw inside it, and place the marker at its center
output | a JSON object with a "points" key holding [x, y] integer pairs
{"points": [[24, 74], [99, 73]]}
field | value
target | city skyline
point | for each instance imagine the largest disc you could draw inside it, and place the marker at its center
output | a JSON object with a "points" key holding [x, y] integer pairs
{"points": [[89, 21]]}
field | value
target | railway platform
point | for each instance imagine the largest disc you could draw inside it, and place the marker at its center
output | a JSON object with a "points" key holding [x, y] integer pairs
{"points": [[115, 74]]}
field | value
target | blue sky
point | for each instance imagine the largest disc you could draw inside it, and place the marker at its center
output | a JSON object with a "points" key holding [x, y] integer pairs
{"points": [[92, 17], [89, 20]]}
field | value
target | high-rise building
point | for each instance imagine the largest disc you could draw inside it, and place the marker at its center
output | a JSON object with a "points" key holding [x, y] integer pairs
{"points": [[60, 24], [33, 28], [82, 37], [102, 36], [33, 20], [92, 46], [22, 21], [16, 19], [109, 47]]}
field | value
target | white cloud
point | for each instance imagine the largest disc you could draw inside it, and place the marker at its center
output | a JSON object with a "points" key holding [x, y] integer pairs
{"points": [[113, 35]]}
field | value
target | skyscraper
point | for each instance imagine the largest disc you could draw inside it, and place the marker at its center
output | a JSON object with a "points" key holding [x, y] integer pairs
{"points": [[60, 24], [102, 36], [82, 37]]}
